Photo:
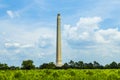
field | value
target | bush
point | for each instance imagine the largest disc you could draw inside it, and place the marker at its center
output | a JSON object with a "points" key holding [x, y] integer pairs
{"points": [[18, 74]]}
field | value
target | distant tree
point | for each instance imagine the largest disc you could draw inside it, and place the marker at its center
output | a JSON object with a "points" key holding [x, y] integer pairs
{"points": [[76, 65], [101, 67], [44, 66], [85, 66], [90, 65], [17, 68], [96, 65], [14, 68], [107, 66], [65, 66], [3, 66], [50, 65], [80, 64], [118, 65], [113, 65], [28, 64], [72, 64], [36, 67]]}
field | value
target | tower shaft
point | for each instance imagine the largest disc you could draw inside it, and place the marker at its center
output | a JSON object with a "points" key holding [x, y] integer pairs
{"points": [[58, 50]]}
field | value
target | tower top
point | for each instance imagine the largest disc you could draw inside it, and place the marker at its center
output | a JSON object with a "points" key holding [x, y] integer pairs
{"points": [[58, 14]]}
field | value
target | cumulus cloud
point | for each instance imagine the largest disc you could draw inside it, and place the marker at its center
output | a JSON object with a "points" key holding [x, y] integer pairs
{"points": [[89, 40], [83, 32], [110, 36], [91, 22], [87, 30]]}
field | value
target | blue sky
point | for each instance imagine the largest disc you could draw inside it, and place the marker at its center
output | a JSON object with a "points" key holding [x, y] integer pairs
{"points": [[90, 30]]}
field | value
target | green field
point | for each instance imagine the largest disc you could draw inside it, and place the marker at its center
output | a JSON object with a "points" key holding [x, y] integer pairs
{"points": [[70, 74]]}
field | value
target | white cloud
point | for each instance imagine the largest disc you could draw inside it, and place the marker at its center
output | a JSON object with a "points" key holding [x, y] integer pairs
{"points": [[89, 21], [87, 29], [12, 14], [12, 44], [87, 36], [109, 35], [18, 45], [28, 46], [84, 28]]}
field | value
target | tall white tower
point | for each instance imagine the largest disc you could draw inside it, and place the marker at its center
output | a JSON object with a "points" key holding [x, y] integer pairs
{"points": [[58, 44]]}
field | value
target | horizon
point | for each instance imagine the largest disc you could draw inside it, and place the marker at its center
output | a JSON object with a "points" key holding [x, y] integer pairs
{"points": [[90, 31]]}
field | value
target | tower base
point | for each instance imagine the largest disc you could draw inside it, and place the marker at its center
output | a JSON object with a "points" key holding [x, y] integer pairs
{"points": [[59, 65]]}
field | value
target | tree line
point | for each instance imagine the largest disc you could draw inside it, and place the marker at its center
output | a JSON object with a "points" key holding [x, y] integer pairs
{"points": [[28, 64]]}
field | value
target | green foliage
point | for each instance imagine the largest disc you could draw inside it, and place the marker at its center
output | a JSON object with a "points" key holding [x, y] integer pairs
{"points": [[3, 66], [14, 68], [55, 74], [18, 74], [89, 73], [114, 65], [68, 74], [50, 65], [28, 64]]}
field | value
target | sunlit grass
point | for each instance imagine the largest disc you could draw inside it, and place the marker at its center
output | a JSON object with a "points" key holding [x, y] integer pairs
{"points": [[69, 74]]}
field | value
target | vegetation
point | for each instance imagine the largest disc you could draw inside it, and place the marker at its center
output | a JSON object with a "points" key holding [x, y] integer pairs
{"points": [[69, 71], [28, 65], [61, 74]]}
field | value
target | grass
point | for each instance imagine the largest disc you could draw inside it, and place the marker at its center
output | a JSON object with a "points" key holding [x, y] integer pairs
{"points": [[70, 74]]}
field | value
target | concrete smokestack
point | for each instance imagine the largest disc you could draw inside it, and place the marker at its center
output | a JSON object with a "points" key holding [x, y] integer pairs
{"points": [[58, 44]]}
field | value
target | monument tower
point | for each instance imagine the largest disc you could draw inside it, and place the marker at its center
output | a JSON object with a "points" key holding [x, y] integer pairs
{"points": [[58, 44]]}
